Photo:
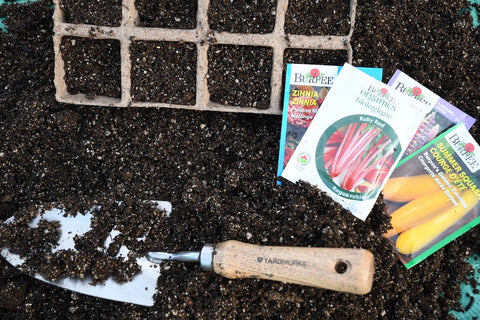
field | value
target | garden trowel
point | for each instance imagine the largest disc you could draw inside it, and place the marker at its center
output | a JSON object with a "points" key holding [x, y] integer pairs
{"points": [[340, 269]]}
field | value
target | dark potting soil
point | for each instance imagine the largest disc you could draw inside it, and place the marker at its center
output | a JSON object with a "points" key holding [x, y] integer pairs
{"points": [[99, 12], [240, 75], [163, 72], [243, 16], [92, 66], [173, 14], [329, 17], [219, 172], [329, 57]]}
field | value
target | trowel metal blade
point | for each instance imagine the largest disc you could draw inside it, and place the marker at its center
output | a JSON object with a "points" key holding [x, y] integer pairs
{"points": [[140, 290]]}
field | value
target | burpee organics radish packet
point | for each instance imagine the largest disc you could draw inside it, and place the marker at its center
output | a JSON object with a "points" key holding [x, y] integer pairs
{"points": [[433, 195], [442, 115], [306, 86], [355, 140]]}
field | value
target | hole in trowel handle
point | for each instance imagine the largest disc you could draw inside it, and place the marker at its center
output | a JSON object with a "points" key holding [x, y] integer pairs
{"points": [[341, 266]]}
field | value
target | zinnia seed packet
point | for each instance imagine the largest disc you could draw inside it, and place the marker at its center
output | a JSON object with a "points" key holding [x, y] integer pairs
{"points": [[355, 140], [306, 86]]}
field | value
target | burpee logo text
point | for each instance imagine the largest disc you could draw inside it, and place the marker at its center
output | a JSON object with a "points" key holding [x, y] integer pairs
{"points": [[314, 77]]}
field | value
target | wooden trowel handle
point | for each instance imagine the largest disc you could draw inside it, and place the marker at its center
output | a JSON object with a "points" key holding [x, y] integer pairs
{"points": [[347, 270]]}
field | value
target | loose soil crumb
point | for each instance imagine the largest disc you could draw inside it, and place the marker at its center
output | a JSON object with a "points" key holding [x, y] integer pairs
{"points": [[218, 170]]}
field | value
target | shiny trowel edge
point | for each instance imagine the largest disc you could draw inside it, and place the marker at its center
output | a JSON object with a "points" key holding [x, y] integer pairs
{"points": [[140, 290]]}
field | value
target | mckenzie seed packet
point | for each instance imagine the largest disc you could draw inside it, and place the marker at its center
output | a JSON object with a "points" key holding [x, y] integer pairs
{"points": [[433, 195], [442, 114], [306, 86], [355, 140]]}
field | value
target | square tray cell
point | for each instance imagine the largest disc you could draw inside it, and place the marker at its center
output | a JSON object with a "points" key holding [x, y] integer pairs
{"points": [[242, 16], [99, 12], [240, 75], [163, 72], [313, 17], [92, 66], [173, 14]]}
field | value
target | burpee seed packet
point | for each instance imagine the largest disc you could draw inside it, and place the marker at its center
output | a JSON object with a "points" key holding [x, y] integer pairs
{"points": [[441, 117], [306, 86], [433, 195], [355, 140]]}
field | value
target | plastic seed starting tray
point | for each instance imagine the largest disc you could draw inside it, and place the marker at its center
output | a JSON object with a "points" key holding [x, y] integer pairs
{"points": [[130, 33]]}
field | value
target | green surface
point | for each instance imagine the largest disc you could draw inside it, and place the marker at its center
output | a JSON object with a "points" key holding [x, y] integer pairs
{"points": [[473, 12], [2, 26], [470, 299], [16, 1]]}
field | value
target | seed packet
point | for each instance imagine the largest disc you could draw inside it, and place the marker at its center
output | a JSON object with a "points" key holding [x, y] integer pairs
{"points": [[306, 86], [441, 117], [355, 140], [432, 195]]}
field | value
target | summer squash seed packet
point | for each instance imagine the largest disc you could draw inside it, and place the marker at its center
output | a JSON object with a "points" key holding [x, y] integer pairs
{"points": [[433, 195]]}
